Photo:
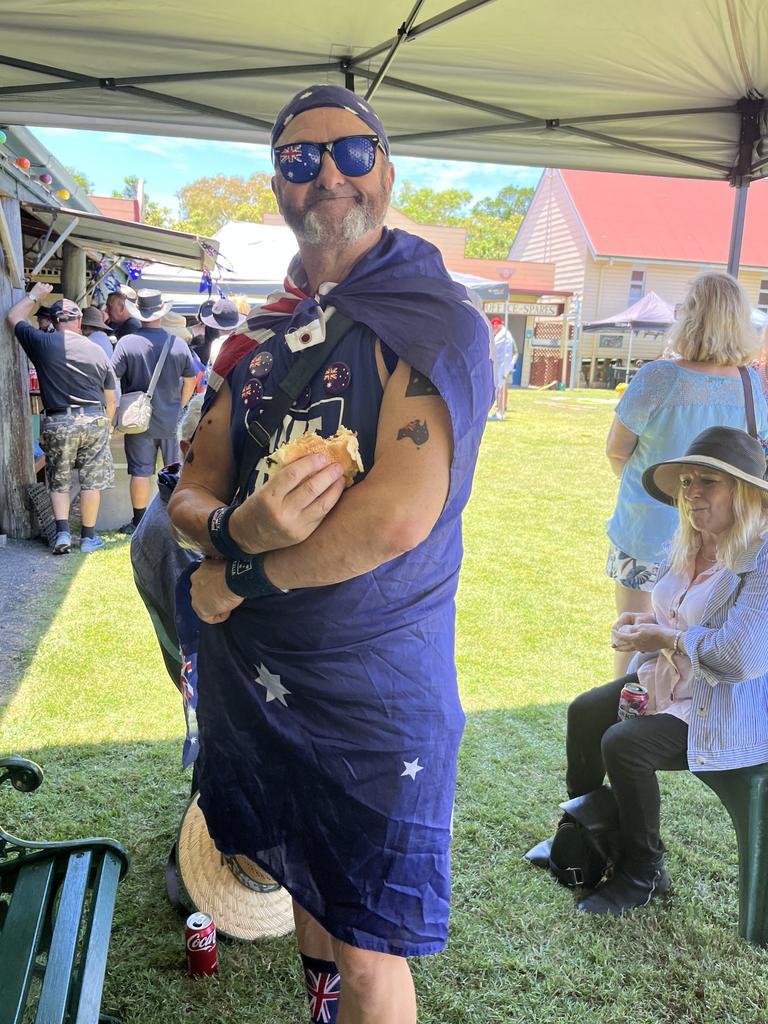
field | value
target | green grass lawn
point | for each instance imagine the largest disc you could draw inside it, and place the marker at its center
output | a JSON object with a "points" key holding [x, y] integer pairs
{"points": [[98, 711]]}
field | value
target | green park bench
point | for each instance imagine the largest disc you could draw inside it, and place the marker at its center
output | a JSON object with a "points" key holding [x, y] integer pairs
{"points": [[56, 905]]}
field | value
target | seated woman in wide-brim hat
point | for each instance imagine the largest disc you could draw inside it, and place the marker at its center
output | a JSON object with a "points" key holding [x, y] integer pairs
{"points": [[702, 654]]}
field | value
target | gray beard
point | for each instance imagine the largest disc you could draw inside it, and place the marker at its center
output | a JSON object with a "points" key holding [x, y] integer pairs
{"points": [[355, 223]]}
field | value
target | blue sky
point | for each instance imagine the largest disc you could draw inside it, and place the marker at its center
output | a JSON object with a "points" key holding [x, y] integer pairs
{"points": [[167, 164]]}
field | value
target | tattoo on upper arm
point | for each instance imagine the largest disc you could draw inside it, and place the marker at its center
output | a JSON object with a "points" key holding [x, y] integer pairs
{"points": [[419, 386], [416, 430]]}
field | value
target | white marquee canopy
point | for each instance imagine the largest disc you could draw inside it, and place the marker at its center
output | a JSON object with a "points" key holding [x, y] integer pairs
{"points": [[659, 87]]}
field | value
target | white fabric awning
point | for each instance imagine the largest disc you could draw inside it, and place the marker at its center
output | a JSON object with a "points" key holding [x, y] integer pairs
{"points": [[613, 85], [107, 236]]}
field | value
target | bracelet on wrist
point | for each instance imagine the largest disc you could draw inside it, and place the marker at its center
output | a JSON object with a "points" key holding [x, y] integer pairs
{"points": [[219, 535], [676, 642], [246, 578]]}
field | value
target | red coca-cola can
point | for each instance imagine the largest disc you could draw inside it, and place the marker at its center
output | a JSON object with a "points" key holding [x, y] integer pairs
{"points": [[200, 935], [633, 701]]}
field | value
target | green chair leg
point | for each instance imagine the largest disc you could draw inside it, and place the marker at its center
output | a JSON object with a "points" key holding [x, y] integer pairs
{"points": [[744, 793]]}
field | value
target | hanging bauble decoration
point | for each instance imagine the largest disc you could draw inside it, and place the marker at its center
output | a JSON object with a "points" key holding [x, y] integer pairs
{"points": [[3, 138], [23, 163], [63, 194], [46, 179]]}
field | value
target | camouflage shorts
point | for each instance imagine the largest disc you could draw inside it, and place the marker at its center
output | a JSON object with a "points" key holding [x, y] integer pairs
{"points": [[77, 442]]}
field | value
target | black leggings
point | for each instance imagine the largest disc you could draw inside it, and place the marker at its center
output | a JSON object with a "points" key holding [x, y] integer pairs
{"points": [[630, 752]]}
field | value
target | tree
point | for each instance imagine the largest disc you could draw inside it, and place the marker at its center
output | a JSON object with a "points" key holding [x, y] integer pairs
{"points": [[510, 202], [491, 224], [207, 204], [84, 182], [425, 206], [152, 213], [489, 238]]}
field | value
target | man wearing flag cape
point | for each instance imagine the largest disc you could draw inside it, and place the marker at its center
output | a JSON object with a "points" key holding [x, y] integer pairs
{"points": [[328, 705]]}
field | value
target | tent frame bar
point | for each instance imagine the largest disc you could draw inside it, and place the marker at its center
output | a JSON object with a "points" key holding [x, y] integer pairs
{"points": [[637, 147], [402, 35], [447, 97], [737, 229], [426, 26]]}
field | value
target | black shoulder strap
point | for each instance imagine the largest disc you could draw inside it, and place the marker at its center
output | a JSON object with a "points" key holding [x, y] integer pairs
{"points": [[749, 401], [260, 430]]}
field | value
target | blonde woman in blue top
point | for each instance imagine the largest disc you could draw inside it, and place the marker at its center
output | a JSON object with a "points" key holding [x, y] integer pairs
{"points": [[669, 402]]}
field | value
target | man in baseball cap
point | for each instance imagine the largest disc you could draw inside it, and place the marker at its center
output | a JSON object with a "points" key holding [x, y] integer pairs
{"points": [[77, 388]]}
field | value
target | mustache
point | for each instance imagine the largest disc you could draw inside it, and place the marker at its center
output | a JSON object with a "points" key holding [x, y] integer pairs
{"points": [[320, 197]]}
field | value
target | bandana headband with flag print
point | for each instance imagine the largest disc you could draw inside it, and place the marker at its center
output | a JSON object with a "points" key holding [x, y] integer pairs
{"points": [[336, 97]]}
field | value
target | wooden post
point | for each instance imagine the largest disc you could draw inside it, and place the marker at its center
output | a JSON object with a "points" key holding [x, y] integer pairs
{"points": [[564, 346], [16, 452], [72, 271]]}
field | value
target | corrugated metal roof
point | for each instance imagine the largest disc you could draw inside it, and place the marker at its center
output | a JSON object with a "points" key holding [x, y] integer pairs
{"points": [[104, 235]]}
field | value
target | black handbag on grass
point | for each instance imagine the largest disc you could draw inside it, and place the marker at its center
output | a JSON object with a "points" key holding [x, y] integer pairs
{"points": [[586, 845]]}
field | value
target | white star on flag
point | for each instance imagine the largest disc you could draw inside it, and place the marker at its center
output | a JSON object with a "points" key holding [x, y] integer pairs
{"points": [[273, 686], [412, 768]]}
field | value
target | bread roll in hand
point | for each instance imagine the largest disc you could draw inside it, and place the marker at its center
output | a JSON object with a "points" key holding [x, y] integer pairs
{"points": [[342, 448]]}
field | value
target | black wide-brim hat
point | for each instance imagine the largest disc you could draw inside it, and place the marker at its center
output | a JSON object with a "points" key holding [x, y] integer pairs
{"points": [[725, 449]]}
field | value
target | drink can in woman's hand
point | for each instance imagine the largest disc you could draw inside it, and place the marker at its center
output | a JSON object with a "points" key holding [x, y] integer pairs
{"points": [[200, 935], [633, 701]]}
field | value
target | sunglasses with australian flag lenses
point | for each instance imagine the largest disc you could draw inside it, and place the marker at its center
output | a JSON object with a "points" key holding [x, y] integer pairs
{"points": [[300, 162]]}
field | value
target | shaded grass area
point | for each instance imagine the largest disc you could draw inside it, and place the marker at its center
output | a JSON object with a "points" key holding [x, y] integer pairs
{"points": [[97, 710]]}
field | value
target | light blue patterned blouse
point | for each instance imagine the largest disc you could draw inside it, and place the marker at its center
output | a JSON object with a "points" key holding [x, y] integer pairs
{"points": [[667, 405]]}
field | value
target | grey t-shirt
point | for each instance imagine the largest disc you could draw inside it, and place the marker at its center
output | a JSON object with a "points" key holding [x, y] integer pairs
{"points": [[133, 361], [71, 369]]}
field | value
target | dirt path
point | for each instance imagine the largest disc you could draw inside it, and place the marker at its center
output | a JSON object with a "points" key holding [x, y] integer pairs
{"points": [[32, 581]]}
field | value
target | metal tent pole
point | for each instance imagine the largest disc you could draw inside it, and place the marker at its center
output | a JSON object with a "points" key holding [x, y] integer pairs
{"points": [[629, 352], [737, 229]]}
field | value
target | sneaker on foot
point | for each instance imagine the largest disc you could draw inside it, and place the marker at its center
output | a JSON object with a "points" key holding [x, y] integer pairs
{"points": [[62, 544], [127, 529], [90, 544]]}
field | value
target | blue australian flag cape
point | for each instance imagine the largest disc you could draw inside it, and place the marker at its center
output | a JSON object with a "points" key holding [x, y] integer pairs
{"points": [[329, 717]]}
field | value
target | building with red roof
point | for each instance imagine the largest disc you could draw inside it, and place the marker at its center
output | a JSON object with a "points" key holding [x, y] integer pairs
{"points": [[615, 237]]}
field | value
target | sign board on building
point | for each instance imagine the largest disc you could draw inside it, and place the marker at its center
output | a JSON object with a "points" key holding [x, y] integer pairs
{"points": [[611, 341], [525, 308]]}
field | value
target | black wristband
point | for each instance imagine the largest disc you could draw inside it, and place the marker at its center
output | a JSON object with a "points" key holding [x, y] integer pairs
{"points": [[246, 578], [218, 532]]}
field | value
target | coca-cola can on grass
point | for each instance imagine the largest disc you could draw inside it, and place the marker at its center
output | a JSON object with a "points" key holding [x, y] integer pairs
{"points": [[200, 935]]}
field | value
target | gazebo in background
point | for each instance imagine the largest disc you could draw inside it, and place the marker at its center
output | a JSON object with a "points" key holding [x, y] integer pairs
{"points": [[651, 314]]}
